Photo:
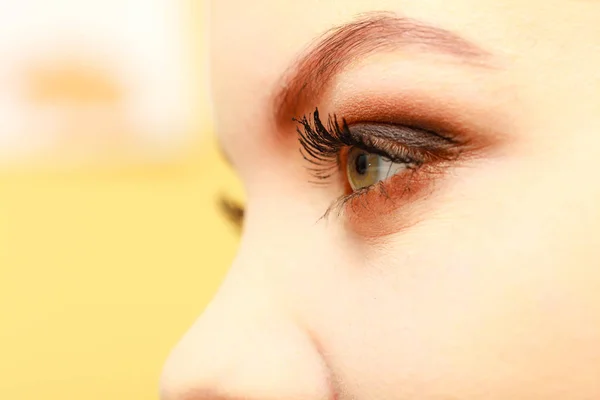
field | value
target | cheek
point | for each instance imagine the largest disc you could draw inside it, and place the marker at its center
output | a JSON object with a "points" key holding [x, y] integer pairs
{"points": [[442, 315]]}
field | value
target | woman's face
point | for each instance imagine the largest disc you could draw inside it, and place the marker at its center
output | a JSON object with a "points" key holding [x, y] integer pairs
{"points": [[442, 241]]}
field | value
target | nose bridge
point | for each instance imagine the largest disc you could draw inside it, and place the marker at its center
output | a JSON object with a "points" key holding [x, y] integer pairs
{"points": [[244, 346]]}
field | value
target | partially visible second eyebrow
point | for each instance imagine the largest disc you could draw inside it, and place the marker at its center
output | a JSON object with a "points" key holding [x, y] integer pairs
{"points": [[378, 32]]}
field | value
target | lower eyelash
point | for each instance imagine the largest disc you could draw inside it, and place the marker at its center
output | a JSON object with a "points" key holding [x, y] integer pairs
{"points": [[355, 197], [338, 205]]}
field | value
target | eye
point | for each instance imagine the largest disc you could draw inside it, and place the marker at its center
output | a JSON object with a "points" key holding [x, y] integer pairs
{"points": [[364, 169], [374, 162]]}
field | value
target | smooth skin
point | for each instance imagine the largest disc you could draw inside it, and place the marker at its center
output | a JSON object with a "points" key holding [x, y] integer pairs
{"points": [[493, 292]]}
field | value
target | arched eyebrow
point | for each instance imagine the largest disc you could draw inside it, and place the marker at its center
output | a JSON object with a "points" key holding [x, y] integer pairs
{"points": [[310, 75]]}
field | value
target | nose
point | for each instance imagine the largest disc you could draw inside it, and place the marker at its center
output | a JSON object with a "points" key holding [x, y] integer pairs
{"points": [[244, 346]]}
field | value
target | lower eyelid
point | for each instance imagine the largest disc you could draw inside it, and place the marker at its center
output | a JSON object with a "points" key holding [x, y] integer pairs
{"points": [[374, 210]]}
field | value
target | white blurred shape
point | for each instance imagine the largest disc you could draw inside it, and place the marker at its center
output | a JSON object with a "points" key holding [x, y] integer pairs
{"points": [[140, 45]]}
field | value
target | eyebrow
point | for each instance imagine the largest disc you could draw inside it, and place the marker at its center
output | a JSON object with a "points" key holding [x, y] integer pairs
{"points": [[310, 75]]}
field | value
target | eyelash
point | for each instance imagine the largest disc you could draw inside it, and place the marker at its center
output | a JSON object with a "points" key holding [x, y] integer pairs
{"points": [[322, 147], [232, 211]]}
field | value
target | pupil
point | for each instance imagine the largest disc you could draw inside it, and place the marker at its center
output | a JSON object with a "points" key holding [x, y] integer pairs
{"points": [[361, 163]]}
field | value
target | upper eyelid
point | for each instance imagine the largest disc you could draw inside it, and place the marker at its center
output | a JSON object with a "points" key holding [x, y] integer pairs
{"points": [[400, 143], [322, 145], [319, 140], [409, 136]]}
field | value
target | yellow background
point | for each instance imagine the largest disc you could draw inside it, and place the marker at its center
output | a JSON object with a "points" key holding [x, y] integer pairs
{"points": [[102, 269]]}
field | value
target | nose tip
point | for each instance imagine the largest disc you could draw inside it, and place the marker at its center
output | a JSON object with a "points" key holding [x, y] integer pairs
{"points": [[234, 353]]}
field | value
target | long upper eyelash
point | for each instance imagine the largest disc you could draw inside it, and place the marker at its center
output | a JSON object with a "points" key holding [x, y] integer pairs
{"points": [[320, 144]]}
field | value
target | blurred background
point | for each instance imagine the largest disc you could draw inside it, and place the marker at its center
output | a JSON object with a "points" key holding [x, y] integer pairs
{"points": [[111, 238]]}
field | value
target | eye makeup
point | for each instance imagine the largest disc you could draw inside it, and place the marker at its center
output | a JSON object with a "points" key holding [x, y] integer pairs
{"points": [[380, 167], [393, 163]]}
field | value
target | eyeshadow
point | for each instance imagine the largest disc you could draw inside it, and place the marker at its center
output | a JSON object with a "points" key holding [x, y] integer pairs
{"points": [[413, 137]]}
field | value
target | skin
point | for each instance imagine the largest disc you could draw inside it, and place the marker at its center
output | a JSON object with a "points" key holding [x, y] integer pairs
{"points": [[491, 290]]}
